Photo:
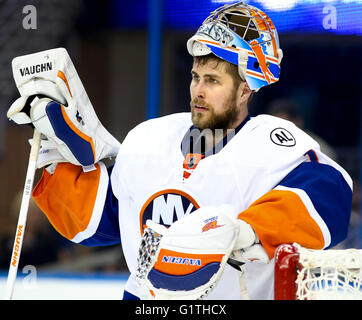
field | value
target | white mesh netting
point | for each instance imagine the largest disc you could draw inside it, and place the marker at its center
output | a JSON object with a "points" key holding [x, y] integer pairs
{"points": [[329, 274]]}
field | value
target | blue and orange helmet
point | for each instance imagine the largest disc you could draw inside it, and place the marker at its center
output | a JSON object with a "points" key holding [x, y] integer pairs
{"points": [[242, 35]]}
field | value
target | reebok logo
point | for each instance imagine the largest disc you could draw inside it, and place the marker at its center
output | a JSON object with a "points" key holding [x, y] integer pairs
{"points": [[42, 67]]}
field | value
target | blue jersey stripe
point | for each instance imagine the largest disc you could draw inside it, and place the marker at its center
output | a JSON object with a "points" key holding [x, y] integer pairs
{"points": [[329, 192], [312, 155], [108, 232], [129, 296]]}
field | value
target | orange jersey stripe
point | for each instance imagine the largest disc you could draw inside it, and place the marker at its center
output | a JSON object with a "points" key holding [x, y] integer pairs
{"points": [[281, 217], [67, 197]]}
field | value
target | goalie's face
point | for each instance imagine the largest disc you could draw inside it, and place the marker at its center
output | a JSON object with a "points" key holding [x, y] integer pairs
{"points": [[217, 102]]}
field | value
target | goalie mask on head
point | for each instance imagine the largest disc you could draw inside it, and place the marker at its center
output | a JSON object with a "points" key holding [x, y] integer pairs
{"points": [[244, 36]]}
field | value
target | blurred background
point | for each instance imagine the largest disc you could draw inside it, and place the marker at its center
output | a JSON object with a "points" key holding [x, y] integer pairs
{"points": [[132, 59]]}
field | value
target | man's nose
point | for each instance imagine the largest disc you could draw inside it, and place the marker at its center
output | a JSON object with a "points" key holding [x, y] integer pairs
{"points": [[200, 90]]}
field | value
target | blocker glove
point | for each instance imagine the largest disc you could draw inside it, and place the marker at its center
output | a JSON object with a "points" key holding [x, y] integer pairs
{"points": [[186, 260], [53, 100]]}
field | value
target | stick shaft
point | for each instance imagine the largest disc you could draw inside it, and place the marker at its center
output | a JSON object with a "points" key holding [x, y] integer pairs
{"points": [[19, 234]]}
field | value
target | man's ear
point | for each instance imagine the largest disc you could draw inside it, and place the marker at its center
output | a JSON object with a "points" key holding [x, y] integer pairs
{"points": [[244, 92], [247, 90]]}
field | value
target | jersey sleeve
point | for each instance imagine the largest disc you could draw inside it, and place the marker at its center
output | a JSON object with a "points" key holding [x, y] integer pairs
{"points": [[80, 205], [310, 206]]}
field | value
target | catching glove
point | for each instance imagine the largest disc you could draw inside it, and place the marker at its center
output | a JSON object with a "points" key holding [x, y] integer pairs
{"points": [[186, 260]]}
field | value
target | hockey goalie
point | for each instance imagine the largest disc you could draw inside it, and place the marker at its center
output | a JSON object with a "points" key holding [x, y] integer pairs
{"points": [[199, 200]]}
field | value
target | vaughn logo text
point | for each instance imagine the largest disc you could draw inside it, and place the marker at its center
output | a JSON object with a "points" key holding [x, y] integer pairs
{"points": [[42, 67]]}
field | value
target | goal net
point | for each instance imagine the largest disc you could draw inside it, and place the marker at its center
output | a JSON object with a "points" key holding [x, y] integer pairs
{"points": [[305, 274]]}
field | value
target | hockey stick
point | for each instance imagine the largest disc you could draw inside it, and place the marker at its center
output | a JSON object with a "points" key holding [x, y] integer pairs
{"points": [[19, 235]]}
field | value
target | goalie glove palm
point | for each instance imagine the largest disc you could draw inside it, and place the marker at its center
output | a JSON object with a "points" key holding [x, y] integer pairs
{"points": [[191, 254], [66, 116]]}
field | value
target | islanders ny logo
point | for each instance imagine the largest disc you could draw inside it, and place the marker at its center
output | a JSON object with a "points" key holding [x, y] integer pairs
{"points": [[211, 223], [167, 206]]}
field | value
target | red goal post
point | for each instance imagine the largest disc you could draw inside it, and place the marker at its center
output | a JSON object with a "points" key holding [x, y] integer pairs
{"points": [[305, 274]]}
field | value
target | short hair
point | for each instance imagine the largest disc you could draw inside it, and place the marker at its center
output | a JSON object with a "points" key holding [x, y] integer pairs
{"points": [[230, 68]]}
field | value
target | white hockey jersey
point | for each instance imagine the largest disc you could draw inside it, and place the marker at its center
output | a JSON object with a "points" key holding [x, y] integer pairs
{"points": [[271, 172]]}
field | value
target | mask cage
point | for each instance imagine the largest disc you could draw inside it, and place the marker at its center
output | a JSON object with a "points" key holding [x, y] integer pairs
{"points": [[245, 21]]}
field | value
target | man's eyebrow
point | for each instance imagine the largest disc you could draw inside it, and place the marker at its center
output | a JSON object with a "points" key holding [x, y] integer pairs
{"points": [[208, 75], [212, 75]]}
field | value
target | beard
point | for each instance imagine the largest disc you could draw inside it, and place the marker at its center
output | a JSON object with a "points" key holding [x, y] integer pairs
{"points": [[212, 120]]}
